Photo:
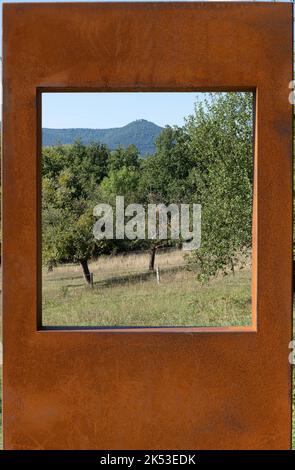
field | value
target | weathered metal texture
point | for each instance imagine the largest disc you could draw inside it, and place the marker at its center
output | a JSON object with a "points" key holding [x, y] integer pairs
{"points": [[222, 388]]}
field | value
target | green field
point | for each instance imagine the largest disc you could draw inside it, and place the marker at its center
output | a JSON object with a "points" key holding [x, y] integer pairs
{"points": [[126, 294]]}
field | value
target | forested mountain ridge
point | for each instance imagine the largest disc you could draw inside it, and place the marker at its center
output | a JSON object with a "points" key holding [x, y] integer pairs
{"points": [[141, 133]]}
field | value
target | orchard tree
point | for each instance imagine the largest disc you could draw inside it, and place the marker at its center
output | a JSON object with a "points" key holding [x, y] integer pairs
{"points": [[163, 178], [121, 182], [221, 145], [165, 173], [71, 175], [123, 179]]}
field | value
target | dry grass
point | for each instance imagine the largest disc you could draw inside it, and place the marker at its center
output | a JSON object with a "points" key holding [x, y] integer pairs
{"points": [[126, 294], [107, 266]]}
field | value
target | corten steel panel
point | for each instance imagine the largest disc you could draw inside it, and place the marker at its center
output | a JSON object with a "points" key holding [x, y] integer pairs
{"points": [[152, 389]]}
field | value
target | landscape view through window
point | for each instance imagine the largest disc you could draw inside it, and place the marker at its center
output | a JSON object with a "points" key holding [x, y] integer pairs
{"points": [[147, 209]]}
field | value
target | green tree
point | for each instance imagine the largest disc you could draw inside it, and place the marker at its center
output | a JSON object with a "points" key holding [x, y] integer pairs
{"points": [[163, 178], [124, 181], [221, 145], [71, 175], [120, 182], [165, 173], [127, 157]]}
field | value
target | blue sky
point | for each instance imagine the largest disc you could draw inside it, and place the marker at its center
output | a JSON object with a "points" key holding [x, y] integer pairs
{"points": [[103, 110]]}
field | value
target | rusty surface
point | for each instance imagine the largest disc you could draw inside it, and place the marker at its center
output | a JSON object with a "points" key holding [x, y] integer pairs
{"points": [[195, 389]]}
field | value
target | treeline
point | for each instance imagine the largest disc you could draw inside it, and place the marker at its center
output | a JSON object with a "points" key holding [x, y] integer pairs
{"points": [[208, 161]]}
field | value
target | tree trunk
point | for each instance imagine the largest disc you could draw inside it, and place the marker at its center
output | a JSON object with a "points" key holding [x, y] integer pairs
{"points": [[152, 258], [86, 272]]}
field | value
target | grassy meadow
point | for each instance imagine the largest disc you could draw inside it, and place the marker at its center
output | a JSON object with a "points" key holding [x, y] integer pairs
{"points": [[126, 293]]}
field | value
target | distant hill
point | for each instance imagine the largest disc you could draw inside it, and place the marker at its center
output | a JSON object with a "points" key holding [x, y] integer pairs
{"points": [[141, 133]]}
